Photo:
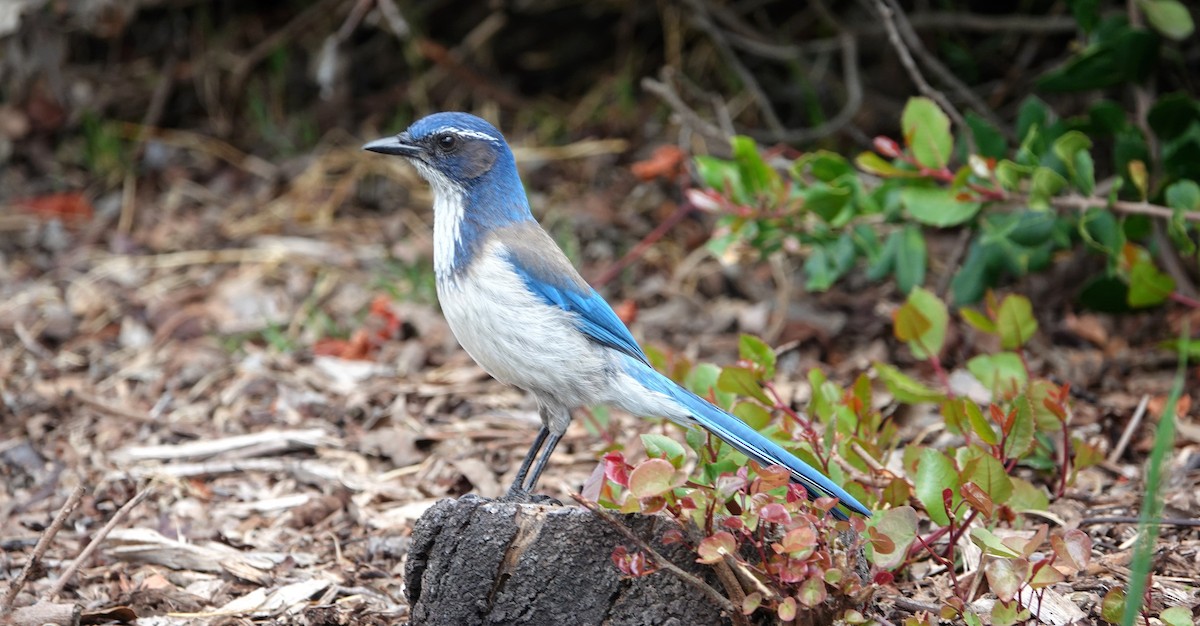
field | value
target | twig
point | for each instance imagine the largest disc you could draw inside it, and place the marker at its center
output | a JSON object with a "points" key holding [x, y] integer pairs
{"points": [[701, 18], [1130, 519], [40, 549], [248, 60], [721, 601], [1130, 428], [1122, 206], [638, 250], [943, 74], [854, 98], [95, 542], [910, 65], [913, 606], [203, 143], [662, 88]]}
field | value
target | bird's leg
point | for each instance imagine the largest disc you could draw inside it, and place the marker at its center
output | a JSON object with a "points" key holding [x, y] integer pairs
{"points": [[518, 491], [542, 461]]}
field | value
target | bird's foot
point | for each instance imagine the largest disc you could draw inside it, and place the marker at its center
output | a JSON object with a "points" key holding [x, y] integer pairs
{"points": [[520, 496]]}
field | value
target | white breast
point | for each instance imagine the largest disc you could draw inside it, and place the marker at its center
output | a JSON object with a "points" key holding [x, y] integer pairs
{"points": [[518, 338]]}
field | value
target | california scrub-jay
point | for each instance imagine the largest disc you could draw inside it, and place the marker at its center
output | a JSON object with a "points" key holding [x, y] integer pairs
{"points": [[526, 316]]}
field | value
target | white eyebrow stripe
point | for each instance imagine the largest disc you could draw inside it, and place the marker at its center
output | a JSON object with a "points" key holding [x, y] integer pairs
{"points": [[469, 133]]}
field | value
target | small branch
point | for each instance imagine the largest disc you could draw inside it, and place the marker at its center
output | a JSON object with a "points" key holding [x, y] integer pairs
{"points": [[638, 250], [1130, 428], [39, 550], [1129, 519], [943, 74], [906, 59], [702, 20], [95, 542], [735, 613], [688, 117], [854, 97], [1122, 206]]}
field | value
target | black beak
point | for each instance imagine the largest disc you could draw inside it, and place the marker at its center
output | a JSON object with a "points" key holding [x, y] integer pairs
{"points": [[398, 145]]}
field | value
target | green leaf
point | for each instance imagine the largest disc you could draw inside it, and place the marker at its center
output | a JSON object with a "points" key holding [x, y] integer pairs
{"points": [[978, 320], [910, 258], [1032, 115], [988, 473], [1070, 143], [1083, 174], [1003, 373], [827, 201], [1011, 174], [743, 382], [757, 351], [1100, 229], [1169, 17], [723, 176], [882, 263], [1020, 437], [988, 139], [905, 389], [935, 206], [1113, 605], [1015, 322], [922, 322], [1086, 12], [754, 414], [927, 133], [900, 526], [991, 544], [1177, 616], [654, 477], [1046, 183], [1183, 195], [935, 474], [702, 380], [665, 447], [758, 177], [1127, 57], [1072, 149], [1148, 286], [872, 163], [980, 424], [1173, 114], [1027, 497]]}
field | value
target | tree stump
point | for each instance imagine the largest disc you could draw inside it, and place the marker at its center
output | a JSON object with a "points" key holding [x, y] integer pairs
{"points": [[476, 561]]}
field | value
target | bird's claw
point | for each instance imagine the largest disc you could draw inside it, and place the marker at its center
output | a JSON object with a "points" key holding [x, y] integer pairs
{"points": [[520, 496]]}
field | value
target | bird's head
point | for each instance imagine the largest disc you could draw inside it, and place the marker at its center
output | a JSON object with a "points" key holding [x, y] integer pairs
{"points": [[455, 152]]}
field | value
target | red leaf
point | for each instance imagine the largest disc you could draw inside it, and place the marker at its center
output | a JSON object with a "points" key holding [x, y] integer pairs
{"points": [[665, 162], [616, 469], [67, 206], [775, 513]]}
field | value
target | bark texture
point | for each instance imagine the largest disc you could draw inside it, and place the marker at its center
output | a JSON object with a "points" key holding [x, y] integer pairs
{"points": [[476, 561]]}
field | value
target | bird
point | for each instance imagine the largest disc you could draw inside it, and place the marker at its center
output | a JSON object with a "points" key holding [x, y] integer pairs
{"points": [[520, 309]]}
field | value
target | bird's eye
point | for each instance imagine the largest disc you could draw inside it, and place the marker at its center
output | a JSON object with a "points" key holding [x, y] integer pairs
{"points": [[447, 142]]}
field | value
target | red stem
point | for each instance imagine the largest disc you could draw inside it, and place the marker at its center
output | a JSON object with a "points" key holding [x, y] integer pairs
{"points": [[638, 250]]}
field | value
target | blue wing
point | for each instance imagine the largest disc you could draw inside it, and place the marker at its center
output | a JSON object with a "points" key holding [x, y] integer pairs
{"points": [[562, 287]]}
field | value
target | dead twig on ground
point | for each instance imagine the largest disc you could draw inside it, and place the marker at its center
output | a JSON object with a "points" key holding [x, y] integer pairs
{"points": [[726, 605], [39, 550], [92, 545]]}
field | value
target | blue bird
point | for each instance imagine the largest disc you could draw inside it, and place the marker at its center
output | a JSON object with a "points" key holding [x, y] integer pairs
{"points": [[519, 308]]}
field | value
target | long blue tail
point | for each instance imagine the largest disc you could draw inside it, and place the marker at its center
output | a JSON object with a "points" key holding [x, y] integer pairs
{"points": [[746, 440]]}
